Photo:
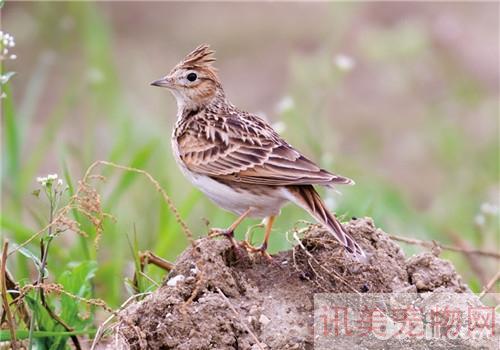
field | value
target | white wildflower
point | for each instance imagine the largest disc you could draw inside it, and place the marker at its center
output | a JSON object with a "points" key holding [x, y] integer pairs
{"points": [[95, 75], [489, 209], [285, 104], [480, 220], [49, 180], [40, 179], [6, 42], [343, 62], [279, 127]]}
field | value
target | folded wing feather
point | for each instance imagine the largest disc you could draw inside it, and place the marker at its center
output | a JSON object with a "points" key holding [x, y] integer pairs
{"points": [[246, 149]]}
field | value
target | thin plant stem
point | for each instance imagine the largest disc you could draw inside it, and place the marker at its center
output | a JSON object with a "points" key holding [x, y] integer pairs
{"points": [[433, 244], [5, 303], [490, 285], [54, 196]]}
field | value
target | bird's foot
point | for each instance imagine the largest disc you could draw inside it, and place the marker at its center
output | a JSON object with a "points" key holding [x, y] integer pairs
{"points": [[228, 233], [262, 250]]}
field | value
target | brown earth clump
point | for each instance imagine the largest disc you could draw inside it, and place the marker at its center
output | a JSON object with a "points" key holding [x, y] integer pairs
{"points": [[218, 299]]}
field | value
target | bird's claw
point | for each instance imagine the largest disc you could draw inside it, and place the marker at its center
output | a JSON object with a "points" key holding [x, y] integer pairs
{"points": [[262, 250], [228, 233]]}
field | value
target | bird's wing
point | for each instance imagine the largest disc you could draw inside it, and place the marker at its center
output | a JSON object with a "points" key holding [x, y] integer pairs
{"points": [[244, 148]]}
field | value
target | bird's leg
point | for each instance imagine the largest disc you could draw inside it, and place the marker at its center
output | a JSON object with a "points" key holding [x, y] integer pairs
{"points": [[263, 248], [229, 232]]}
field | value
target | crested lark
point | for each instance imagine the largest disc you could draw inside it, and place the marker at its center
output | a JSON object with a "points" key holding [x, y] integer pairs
{"points": [[236, 158]]}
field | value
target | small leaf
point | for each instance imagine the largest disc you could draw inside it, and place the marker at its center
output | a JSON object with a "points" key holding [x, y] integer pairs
{"points": [[76, 280], [24, 251], [36, 193]]}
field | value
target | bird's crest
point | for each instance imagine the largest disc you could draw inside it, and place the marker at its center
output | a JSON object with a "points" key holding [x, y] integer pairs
{"points": [[202, 56]]}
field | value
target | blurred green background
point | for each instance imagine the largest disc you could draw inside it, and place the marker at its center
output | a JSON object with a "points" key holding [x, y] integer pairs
{"points": [[400, 97]]}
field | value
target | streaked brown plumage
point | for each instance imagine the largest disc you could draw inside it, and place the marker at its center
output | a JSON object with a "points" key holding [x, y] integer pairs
{"points": [[236, 158]]}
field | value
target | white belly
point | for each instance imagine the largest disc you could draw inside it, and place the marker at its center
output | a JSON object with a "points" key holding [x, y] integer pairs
{"points": [[235, 201], [238, 202]]}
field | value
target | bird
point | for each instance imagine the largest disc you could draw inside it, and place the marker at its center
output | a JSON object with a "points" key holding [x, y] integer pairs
{"points": [[237, 159]]}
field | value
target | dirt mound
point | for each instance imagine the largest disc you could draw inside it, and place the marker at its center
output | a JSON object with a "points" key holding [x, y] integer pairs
{"points": [[218, 299]]}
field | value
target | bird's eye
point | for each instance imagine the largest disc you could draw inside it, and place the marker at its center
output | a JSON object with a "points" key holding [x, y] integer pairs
{"points": [[191, 76]]}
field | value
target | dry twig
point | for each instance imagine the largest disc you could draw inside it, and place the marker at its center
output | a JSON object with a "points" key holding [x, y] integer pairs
{"points": [[490, 284], [58, 289], [433, 244], [474, 260], [329, 272], [148, 257], [157, 186], [13, 291]]}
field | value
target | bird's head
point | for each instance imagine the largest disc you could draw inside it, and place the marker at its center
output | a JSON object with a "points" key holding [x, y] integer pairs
{"points": [[193, 81]]}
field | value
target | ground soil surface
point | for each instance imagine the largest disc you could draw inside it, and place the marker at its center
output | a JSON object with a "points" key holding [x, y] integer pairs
{"points": [[219, 298]]}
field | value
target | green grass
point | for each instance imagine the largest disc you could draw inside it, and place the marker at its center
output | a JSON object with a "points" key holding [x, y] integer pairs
{"points": [[143, 221], [23, 334]]}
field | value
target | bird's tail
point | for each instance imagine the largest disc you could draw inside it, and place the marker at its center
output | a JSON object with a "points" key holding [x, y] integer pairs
{"points": [[306, 197]]}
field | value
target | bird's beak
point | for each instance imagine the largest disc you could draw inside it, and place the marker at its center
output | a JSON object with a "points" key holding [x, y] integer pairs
{"points": [[163, 82]]}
